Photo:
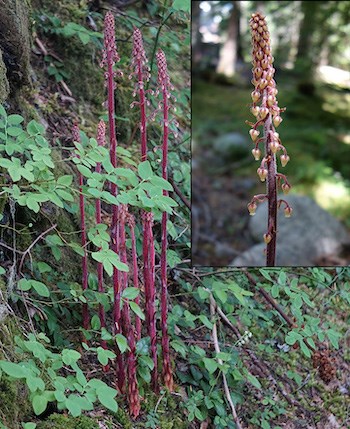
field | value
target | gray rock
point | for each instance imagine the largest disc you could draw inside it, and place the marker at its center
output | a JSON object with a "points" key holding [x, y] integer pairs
{"points": [[232, 146], [310, 234]]}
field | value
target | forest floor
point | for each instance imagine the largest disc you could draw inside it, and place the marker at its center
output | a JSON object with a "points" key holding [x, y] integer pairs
{"points": [[315, 131]]}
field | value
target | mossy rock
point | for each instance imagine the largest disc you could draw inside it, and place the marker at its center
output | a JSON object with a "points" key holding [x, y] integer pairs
{"points": [[60, 421], [14, 404], [4, 84], [15, 41]]}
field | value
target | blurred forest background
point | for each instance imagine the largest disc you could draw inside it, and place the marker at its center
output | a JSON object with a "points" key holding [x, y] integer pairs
{"points": [[311, 46]]}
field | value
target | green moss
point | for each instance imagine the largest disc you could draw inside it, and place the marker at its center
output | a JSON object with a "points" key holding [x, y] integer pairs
{"points": [[14, 405], [4, 85], [60, 421]]}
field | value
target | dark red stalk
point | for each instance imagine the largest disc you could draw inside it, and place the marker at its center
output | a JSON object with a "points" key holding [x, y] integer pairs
{"points": [[164, 82], [133, 392], [135, 272], [76, 138], [149, 279], [141, 71], [110, 56], [271, 186], [101, 139]]}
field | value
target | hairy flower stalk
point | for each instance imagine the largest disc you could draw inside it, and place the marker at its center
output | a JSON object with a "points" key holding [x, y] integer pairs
{"points": [[165, 86], [265, 109], [150, 292], [101, 140], [141, 72], [128, 329], [135, 272], [76, 138], [109, 58]]}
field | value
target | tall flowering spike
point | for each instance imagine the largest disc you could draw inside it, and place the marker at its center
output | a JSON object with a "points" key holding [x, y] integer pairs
{"points": [[109, 58], [165, 85], [141, 72], [110, 54], [101, 140], [268, 115], [76, 138]]}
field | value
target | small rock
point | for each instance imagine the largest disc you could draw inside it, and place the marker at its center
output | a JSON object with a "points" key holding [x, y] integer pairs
{"points": [[309, 235]]}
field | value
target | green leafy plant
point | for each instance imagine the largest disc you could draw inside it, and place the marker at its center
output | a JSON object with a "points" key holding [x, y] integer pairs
{"points": [[57, 377]]}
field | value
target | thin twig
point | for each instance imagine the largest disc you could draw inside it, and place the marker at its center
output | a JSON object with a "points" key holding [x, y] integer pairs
{"points": [[180, 194], [269, 299], [33, 244], [213, 307]]}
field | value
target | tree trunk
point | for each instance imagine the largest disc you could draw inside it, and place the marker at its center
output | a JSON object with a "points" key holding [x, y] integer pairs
{"points": [[196, 35], [229, 50]]}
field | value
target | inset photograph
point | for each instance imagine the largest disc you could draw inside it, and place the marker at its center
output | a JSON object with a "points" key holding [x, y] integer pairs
{"points": [[271, 134]]}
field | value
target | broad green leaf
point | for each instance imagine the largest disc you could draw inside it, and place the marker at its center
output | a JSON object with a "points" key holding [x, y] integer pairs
{"points": [[29, 425], [73, 405], [145, 171], [39, 403], [14, 370], [121, 342], [184, 5], [210, 364], [70, 356], [40, 288], [253, 380], [14, 119], [137, 310], [130, 293], [304, 348], [106, 397]]}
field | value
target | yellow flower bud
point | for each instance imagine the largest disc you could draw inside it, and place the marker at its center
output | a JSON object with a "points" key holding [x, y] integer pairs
{"points": [[288, 211], [255, 110], [267, 238], [264, 111], [255, 96], [260, 55], [256, 153], [286, 188], [254, 134], [262, 173], [284, 160], [274, 146], [263, 83], [252, 208], [277, 120], [271, 100]]}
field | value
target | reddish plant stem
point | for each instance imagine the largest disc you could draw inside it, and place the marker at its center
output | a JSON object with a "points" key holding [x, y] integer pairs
{"points": [[167, 373], [143, 113], [110, 56], [165, 85], [135, 273], [271, 186], [101, 311], [150, 293], [133, 392]]}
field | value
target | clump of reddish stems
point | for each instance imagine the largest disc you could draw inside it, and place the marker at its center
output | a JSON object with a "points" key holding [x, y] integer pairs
{"points": [[76, 138], [141, 72], [268, 115], [165, 87], [122, 321], [110, 57]]}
